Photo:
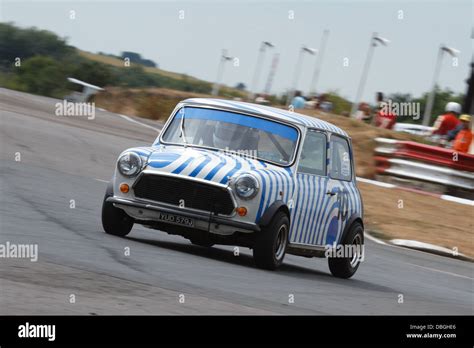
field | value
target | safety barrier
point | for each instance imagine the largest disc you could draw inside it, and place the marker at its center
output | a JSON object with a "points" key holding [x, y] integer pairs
{"points": [[425, 163]]}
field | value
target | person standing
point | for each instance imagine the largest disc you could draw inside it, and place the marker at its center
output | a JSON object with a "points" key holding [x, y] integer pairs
{"points": [[298, 101], [448, 121], [464, 137]]}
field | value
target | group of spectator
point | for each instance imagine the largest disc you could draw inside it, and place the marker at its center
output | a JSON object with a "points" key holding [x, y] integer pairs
{"points": [[314, 102], [454, 127]]}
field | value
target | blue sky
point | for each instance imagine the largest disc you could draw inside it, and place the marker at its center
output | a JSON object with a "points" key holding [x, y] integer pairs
{"points": [[192, 45]]}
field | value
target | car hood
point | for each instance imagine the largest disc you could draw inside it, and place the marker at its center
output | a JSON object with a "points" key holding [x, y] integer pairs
{"points": [[207, 164]]}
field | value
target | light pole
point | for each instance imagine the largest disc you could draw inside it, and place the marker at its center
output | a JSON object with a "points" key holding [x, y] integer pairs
{"points": [[271, 73], [258, 68], [429, 103], [220, 71], [319, 62], [297, 73], [374, 40]]}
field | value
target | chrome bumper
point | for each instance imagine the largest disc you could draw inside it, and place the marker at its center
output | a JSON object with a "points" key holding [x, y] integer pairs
{"points": [[206, 217]]}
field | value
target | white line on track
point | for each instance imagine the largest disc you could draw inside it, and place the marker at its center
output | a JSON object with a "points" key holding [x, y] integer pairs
{"points": [[376, 183], [445, 197], [100, 180], [138, 122], [373, 239], [439, 271], [457, 200]]}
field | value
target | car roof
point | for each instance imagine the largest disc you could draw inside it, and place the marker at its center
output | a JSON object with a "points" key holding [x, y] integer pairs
{"points": [[268, 111]]}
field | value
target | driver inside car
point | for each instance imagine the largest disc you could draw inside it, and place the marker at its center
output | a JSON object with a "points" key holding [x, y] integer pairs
{"points": [[234, 137]]}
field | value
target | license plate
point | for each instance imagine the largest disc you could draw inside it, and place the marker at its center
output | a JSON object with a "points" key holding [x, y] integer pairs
{"points": [[175, 219]]}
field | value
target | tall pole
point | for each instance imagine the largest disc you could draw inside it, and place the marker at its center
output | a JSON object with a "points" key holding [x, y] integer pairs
{"points": [[365, 72], [256, 73], [319, 62], [258, 69], [295, 77], [431, 96], [271, 73], [469, 104], [220, 72]]}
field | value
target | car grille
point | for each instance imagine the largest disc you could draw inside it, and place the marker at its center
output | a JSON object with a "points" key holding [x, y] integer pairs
{"points": [[196, 195]]}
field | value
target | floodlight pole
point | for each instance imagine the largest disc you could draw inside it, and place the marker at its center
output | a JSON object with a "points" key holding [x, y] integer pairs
{"points": [[258, 68], [431, 96], [319, 62], [297, 73], [363, 77], [220, 72]]}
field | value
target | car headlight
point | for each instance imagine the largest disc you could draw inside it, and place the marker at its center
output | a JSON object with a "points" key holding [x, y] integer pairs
{"points": [[129, 164], [246, 186]]}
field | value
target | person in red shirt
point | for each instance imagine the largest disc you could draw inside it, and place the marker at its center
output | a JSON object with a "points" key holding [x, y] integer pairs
{"points": [[464, 137], [449, 121], [384, 117]]}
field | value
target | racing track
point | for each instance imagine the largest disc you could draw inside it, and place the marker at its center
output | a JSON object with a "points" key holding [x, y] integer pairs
{"points": [[64, 158]]}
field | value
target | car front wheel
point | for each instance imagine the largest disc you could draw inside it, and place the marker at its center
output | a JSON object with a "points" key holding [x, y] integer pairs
{"points": [[114, 220], [271, 241]]}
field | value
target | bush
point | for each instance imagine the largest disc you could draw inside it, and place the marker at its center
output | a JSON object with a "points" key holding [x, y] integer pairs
{"points": [[42, 75], [95, 73], [26, 43]]}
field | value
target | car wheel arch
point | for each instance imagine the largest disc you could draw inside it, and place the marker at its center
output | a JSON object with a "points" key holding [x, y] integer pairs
{"points": [[355, 218], [272, 210]]}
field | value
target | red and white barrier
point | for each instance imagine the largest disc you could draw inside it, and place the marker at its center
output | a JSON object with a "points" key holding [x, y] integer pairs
{"points": [[425, 163]]}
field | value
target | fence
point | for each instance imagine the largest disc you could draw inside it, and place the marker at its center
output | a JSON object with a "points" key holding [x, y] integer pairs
{"points": [[420, 163]]}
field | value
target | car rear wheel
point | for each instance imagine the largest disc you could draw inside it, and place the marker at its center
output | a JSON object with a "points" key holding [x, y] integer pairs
{"points": [[271, 241], [345, 267], [114, 220]]}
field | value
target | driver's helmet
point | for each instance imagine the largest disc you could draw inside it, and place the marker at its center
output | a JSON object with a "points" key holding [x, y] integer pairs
{"points": [[224, 133]]}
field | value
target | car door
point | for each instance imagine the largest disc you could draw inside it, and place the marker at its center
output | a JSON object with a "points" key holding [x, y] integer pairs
{"points": [[312, 184], [340, 189]]}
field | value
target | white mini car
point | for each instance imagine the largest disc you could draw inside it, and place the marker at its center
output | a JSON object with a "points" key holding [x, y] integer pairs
{"points": [[234, 173]]}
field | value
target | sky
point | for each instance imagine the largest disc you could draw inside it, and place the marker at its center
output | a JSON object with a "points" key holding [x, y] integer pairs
{"points": [[187, 37]]}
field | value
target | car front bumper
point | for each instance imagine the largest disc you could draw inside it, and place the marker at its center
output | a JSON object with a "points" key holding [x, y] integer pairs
{"points": [[144, 210]]}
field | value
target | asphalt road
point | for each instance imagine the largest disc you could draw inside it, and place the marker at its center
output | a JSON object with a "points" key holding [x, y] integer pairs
{"points": [[81, 270]]}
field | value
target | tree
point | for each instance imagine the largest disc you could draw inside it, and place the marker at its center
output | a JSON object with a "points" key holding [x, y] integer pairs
{"points": [[94, 73], [137, 59], [25, 43], [442, 97], [241, 86], [42, 75]]}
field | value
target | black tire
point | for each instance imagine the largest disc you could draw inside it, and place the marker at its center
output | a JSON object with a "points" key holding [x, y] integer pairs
{"points": [[271, 242], [114, 220], [346, 267]]}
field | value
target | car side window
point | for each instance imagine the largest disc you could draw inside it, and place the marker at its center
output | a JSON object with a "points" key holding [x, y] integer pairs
{"points": [[313, 154], [340, 165]]}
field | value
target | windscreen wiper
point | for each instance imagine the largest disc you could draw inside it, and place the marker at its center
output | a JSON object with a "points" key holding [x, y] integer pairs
{"points": [[182, 135], [280, 148]]}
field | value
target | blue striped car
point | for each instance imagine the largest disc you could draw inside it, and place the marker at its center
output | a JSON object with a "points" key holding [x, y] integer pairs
{"points": [[235, 173]]}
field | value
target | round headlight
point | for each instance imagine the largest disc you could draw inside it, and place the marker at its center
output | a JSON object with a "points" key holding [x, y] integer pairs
{"points": [[246, 186], [129, 164]]}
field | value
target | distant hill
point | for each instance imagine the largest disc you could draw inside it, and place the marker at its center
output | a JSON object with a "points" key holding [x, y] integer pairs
{"points": [[204, 86], [39, 61]]}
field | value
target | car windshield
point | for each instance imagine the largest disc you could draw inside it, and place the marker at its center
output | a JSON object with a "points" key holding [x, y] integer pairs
{"points": [[232, 132]]}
